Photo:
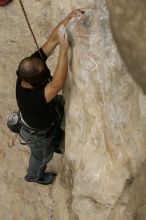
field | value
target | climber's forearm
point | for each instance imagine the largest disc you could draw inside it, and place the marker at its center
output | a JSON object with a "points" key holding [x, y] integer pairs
{"points": [[53, 40], [50, 45], [61, 70], [59, 77]]}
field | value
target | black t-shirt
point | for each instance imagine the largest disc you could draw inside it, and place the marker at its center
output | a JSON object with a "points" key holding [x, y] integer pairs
{"points": [[36, 112]]}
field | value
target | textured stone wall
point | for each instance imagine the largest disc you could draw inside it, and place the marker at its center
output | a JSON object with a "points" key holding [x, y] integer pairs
{"points": [[100, 176], [105, 122], [128, 21]]}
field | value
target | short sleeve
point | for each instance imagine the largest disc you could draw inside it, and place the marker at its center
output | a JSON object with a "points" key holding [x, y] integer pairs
{"points": [[40, 54]]}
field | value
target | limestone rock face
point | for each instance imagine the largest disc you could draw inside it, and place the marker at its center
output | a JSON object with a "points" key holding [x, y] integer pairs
{"points": [[101, 174], [128, 20]]}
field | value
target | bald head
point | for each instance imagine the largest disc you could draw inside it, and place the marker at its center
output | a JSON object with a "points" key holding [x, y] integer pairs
{"points": [[30, 67]]}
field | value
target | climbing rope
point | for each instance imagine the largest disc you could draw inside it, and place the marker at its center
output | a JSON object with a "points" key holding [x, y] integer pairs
{"points": [[25, 15]]}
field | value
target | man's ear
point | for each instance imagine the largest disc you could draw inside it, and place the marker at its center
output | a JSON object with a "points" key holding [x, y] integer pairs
{"points": [[17, 73]]}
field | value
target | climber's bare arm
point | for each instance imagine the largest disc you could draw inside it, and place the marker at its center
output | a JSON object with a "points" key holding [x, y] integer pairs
{"points": [[53, 40], [60, 74]]}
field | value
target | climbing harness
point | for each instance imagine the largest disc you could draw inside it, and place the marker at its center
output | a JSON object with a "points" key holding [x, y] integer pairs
{"points": [[25, 15]]}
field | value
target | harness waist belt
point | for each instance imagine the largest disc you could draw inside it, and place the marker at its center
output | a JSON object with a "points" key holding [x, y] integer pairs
{"points": [[34, 129], [26, 125]]}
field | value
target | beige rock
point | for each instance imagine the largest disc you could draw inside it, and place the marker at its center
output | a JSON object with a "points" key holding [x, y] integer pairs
{"points": [[128, 21], [105, 121]]}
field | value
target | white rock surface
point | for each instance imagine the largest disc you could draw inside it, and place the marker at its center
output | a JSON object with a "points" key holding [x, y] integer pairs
{"points": [[105, 121]]}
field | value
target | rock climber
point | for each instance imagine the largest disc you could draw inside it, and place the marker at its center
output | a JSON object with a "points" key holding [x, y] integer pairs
{"points": [[39, 103]]}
